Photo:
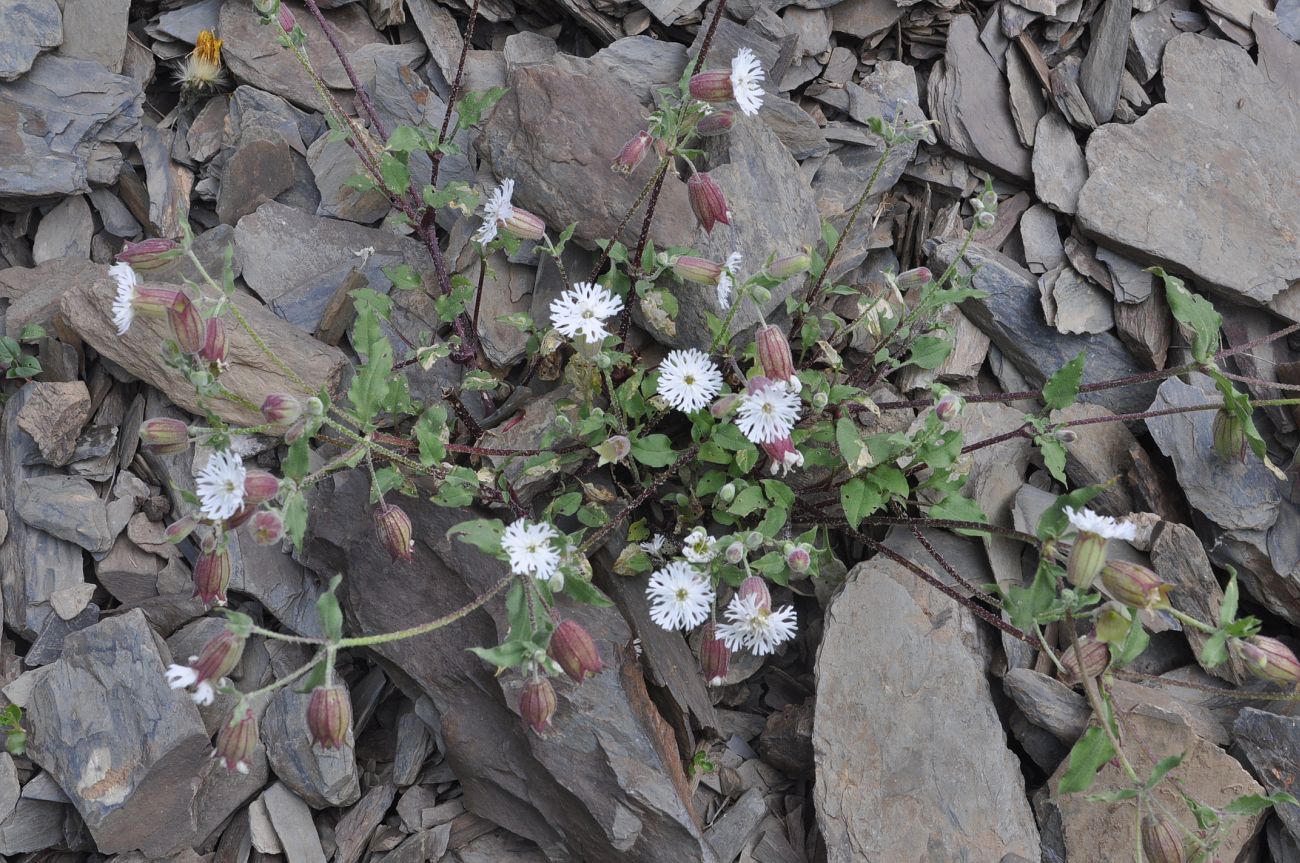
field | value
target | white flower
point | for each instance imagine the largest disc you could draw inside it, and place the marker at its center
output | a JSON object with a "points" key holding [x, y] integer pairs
{"points": [[688, 380], [1087, 521], [220, 486], [746, 75], [727, 279], [496, 212], [655, 545], [530, 550], [181, 676], [583, 309], [680, 598], [754, 626], [203, 693], [123, 308], [699, 547], [768, 413]]}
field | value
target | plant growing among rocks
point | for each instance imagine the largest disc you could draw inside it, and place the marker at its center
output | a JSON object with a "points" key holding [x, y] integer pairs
{"points": [[725, 468]]}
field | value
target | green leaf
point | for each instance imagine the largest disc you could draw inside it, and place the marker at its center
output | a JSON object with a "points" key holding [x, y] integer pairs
{"points": [[294, 514], [929, 351], [959, 508], [1253, 804], [749, 500], [1062, 388], [1215, 649], [404, 139], [396, 176], [428, 434], [482, 533], [1195, 314], [1054, 455], [654, 450], [1090, 752], [1053, 521], [506, 655], [327, 609], [859, 499], [585, 592], [1228, 607], [474, 103], [1135, 642], [1162, 767]]}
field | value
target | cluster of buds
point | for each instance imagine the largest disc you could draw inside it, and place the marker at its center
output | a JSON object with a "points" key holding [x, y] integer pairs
{"points": [[1268, 659], [986, 208]]}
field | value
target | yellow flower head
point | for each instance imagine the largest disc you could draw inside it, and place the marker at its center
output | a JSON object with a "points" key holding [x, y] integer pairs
{"points": [[202, 70]]}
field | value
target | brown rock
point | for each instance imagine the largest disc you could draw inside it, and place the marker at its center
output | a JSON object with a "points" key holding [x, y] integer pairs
{"points": [[786, 741], [251, 374], [1178, 557], [253, 175], [53, 416]]}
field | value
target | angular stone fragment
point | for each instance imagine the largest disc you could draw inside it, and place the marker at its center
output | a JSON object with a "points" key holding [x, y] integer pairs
{"points": [[250, 373], [65, 231], [30, 26], [124, 746], [293, 825], [1059, 167], [53, 415], [95, 30], [322, 777], [1233, 494], [53, 121], [254, 174], [968, 97], [1012, 317], [1271, 744], [1179, 559], [1103, 65], [1155, 185], [912, 759]]}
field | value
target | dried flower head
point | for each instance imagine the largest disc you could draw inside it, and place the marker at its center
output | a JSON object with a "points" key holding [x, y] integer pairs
{"points": [[707, 201], [201, 71], [537, 704], [212, 575], [573, 648], [715, 656], [329, 716], [393, 526]]}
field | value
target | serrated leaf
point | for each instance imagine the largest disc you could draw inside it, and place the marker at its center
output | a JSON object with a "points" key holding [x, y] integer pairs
{"points": [[1062, 388]]}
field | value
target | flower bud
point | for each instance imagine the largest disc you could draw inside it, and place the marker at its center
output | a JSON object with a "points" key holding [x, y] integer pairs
{"points": [[715, 658], [241, 516], [212, 576], [284, 16], [219, 657], [281, 409], [754, 539], [1160, 841], [266, 7], [783, 454], [1096, 656], [735, 553], [724, 406], [181, 528], [755, 589], [790, 265], [329, 716], [1229, 436], [717, 123], [701, 271], [1135, 585], [820, 400], [798, 559], [148, 254], [774, 353], [613, 450], [154, 302], [215, 343], [295, 431], [984, 220], [913, 278], [268, 527], [727, 493], [394, 528], [165, 436], [315, 407], [711, 86], [237, 741], [948, 408], [1269, 659], [537, 704], [259, 486], [572, 647], [524, 225], [633, 153], [1067, 435], [760, 294], [707, 200], [1087, 558], [988, 200], [187, 324]]}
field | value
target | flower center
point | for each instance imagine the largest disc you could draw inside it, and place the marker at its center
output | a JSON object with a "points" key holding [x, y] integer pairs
{"points": [[682, 594], [767, 408], [588, 313], [689, 380]]}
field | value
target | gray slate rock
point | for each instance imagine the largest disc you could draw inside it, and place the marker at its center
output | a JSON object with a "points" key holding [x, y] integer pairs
{"points": [[1059, 167], [968, 96], [333, 163], [1242, 183], [255, 173], [95, 30], [53, 415], [33, 563], [1178, 557], [293, 825], [599, 783], [1103, 66], [1271, 744], [322, 777], [62, 115], [124, 746], [1233, 494], [1013, 319], [35, 825], [65, 231], [30, 27], [1048, 703], [924, 717]]}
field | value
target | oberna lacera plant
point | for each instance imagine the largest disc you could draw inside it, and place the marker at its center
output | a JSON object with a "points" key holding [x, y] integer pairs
{"points": [[760, 448]]}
